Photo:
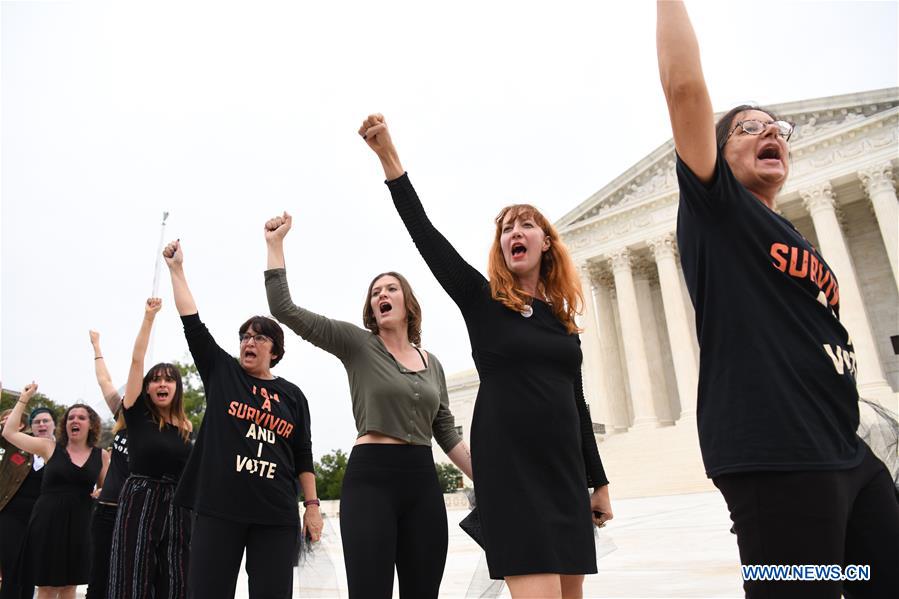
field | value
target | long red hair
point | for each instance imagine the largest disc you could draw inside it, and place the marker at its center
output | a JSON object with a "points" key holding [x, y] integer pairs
{"points": [[559, 282]]}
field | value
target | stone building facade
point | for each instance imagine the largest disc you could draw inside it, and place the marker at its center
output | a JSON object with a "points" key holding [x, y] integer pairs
{"points": [[639, 342]]}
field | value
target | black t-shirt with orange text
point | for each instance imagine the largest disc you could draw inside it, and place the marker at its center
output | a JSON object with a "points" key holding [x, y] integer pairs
{"points": [[253, 443], [777, 369]]}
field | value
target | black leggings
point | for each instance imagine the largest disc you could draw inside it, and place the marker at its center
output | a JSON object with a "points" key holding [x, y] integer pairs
{"points": [[102, 524], [821, 517], [216, 547], [392, 514]]}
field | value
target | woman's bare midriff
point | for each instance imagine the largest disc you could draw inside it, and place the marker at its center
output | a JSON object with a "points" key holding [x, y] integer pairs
{"points": [[378, 438]]}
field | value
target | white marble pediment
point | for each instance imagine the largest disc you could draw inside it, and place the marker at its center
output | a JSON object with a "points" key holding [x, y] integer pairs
{"points": [[829, 130]]}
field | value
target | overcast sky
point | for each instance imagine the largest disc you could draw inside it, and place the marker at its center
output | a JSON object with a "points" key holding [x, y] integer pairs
{"points": [[226, 114]]}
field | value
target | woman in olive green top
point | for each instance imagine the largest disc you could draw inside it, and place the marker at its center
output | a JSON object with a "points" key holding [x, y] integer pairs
{"points": [[391, 510]]}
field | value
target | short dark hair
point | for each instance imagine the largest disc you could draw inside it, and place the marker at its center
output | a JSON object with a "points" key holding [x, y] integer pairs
{"points": [[413, 308], [41, 410], [269, 328], [723, 126]]}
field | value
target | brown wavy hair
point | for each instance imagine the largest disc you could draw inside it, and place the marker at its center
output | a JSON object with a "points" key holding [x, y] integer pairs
{"points": [[176, 408], [413, 308], [93, 435], [24, 419], [559, 281]]}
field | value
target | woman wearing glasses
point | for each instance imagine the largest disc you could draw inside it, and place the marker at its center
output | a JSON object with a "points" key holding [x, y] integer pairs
{"points": [[253, 450], [21, 474], [777, 421], [392, 512]]}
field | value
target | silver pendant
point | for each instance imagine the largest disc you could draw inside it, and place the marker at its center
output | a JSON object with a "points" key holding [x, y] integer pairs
{"points": [[527, 311]]}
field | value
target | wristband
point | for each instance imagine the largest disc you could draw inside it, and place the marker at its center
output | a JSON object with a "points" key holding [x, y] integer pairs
{"points": [[98, 358], [309, 502]]}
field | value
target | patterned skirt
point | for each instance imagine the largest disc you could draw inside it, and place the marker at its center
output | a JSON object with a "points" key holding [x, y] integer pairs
{"points": [[150, 542]]}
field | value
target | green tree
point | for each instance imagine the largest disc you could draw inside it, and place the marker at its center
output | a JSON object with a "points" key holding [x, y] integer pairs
{"points": [[329, 474], [39, 400], [449, 476], [194, 397]]}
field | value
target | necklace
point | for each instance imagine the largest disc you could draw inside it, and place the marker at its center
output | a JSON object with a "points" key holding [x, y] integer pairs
{"points": [[527, 311]]}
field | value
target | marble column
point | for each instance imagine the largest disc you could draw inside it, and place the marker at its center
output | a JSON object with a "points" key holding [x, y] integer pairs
{"points": [[680, 329], [820, 202], [591, 367], [644, 275], [632, 337], [878, 182], [613, 373]]}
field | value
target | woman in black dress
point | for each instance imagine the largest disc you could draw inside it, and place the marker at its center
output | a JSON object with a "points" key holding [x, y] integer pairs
{"points": [[56, 553], [777, 414], [533, 450]]}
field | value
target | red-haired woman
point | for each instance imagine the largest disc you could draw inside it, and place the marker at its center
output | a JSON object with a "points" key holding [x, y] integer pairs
{"points": [[151, 537], [56, 553], [533, 450]]}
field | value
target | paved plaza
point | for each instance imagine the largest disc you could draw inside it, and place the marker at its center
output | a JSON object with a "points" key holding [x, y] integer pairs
{"points": [[674, 546]]}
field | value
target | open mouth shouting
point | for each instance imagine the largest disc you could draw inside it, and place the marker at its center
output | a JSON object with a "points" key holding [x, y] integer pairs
{"points": [[384, 307], [518, 250], [74, 428], [163, 395], [770, 153]]}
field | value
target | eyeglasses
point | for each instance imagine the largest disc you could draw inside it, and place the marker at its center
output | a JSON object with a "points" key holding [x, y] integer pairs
{"points": [[258, 338], [756, 127]]}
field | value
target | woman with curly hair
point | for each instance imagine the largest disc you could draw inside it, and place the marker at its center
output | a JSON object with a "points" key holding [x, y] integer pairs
{"points": [[56, 554]]}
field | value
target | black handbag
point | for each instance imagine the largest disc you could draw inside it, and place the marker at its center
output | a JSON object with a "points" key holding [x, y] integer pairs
{"points": [[471, 524]]}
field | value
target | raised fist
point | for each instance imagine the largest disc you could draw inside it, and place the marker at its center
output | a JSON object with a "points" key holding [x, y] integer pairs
{"points": [[95, 337], [28, 392], [375, 133], [276, 228], [154, 304], [173, 254]]}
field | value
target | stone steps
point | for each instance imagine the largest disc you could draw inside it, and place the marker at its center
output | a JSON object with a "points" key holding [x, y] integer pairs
{"points": [[653, 461]]}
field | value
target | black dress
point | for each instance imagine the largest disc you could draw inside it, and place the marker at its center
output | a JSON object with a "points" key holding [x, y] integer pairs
{"points": [[57, 545], [532, 444]]}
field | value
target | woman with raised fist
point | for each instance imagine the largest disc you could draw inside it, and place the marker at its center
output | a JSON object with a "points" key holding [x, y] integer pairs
{"points": [[151, 536], [253, 451], [56, 553], [532, 446], [392, 513]]}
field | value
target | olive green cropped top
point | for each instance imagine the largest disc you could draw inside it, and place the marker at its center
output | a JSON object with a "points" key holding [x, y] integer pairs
{"points": [[388, 398]]}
